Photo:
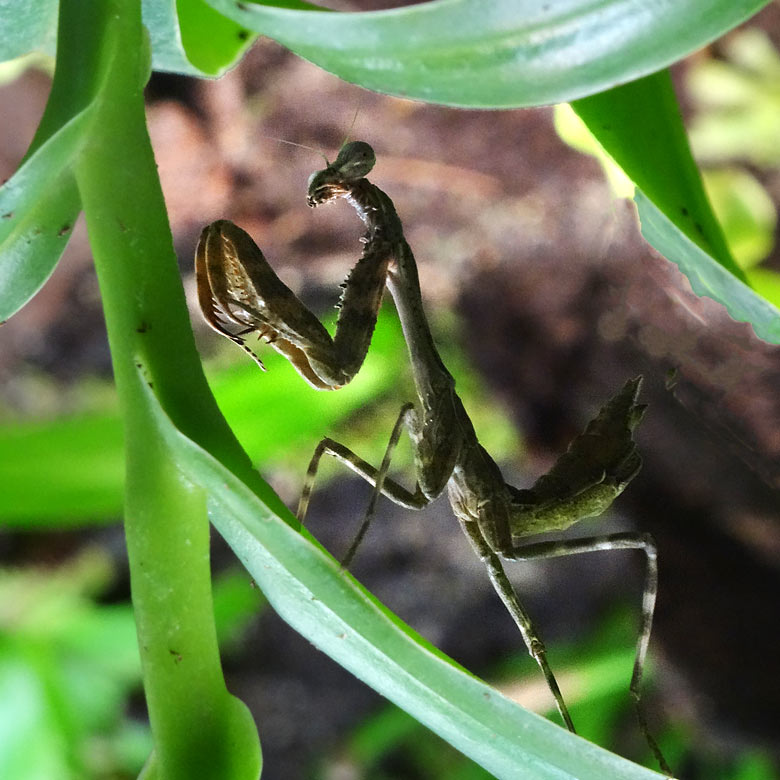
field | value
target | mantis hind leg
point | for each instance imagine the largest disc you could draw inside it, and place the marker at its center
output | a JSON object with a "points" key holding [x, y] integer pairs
{"points": [[618, 541], [508, 595]]}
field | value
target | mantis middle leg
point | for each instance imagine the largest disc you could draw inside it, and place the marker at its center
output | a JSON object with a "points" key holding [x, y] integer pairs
{"points": [[377, 477]]}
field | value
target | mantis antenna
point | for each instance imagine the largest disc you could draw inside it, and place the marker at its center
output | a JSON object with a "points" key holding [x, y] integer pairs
{"points": [[300, 146], [318, 151]]}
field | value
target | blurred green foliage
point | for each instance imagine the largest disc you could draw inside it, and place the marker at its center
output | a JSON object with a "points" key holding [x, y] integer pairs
{"points": [[69, 665], [69, 471], [736, 126], [737, 98]]}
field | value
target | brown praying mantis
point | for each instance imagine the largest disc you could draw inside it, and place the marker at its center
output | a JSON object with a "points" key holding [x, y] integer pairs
{"points": [[239, 293]]}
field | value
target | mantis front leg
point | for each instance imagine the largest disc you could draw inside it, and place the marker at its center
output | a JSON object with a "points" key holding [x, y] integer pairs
{"points": [[240, 293]]}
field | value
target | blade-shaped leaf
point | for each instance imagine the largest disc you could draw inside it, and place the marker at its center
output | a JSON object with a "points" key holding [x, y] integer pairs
{"points": [[40, 203], [640, 127], [190, 37], [29, 26], [210, 39], [162, 23], [506, 53], [316, 597], [38, 206], [706, 275]]}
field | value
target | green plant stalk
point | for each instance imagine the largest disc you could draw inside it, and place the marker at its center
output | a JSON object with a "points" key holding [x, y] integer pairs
{"points": [[77, 75], [199, 729]]}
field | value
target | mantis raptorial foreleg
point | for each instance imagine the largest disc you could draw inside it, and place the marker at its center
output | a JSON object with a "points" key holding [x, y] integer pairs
{"points": [[240, 293], [236, 289]]}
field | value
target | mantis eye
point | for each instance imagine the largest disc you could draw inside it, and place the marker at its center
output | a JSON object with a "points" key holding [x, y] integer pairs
{"points": [[355, 160]]}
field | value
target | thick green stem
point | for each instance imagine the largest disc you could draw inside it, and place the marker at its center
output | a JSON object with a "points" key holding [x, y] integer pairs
{"points": [[199, 729]]}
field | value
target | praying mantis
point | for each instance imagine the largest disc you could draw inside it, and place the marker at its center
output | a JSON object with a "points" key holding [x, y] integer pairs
{"points": [[239, 293]]}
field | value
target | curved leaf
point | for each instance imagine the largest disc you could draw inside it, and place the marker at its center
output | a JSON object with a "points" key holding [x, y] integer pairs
{"points": [[506, 53], [29, 26], [308, 588], [640, 126], [38, 206], [189, 37], [199, 728], [40, 203], [162, 23], [212, 41], [706, 275]]}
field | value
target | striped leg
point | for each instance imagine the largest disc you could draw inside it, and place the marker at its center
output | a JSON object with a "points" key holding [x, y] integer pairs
{"points": [[618, 541], [376, 477]]}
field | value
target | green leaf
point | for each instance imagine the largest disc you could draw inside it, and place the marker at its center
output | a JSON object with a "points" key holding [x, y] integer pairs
{"points": [[640, 127], [506, 53], [210, 39], [40, 203], [190, 37], [707, 277], [161, 20], [38, 207], [199, 728], [595, 667], [307, 587], [28, 26]]}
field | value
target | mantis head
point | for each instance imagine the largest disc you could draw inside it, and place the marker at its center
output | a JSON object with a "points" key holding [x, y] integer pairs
{"points": [[353, 163]]}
